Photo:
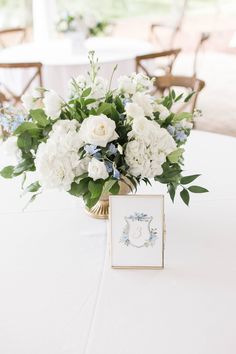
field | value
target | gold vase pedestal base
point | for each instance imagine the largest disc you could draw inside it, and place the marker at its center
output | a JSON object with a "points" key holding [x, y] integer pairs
{"points": [[101, 209]]}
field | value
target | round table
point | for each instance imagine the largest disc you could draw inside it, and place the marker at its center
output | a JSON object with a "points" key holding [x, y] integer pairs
{"points": [[61, 62], [58, 296]]}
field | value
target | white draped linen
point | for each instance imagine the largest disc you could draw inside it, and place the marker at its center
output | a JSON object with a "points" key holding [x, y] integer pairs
{"points": [[56, 295], [61, 63]]}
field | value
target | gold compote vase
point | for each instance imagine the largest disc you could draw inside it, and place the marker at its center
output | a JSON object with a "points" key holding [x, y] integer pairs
{"points": [[101, 209]]}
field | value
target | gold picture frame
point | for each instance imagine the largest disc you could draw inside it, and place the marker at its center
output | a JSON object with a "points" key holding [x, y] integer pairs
{"points": [[136, 200]]}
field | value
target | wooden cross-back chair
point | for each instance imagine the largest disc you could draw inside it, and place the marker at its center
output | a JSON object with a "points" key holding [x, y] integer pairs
{"points": [[19, 33], [6, 94], [151, 63], [172, 28], [189, 83]]}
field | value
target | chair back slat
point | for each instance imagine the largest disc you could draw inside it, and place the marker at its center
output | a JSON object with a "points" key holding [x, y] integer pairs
{"points": [[6, 93], [170, 56], [10, 32], [189, 83]]}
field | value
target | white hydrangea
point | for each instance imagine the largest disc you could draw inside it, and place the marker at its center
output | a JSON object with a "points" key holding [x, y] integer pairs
{"points": [[144, 101], [133, 110], [54, 169], [148, 148], [57, 161]]}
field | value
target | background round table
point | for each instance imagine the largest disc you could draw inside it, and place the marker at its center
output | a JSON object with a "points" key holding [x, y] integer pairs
{"points": [[58, 296], [61, 62]]}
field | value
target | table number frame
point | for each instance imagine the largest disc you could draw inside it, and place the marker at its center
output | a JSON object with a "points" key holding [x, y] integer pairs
{"points": [[136, 200]]}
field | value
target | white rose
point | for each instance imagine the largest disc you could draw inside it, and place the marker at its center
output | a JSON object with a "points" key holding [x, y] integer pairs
{"points": [[145, 101], [28, 101], [11, 149], [52, 104], [126, 85], [98, 130], [164, 112], [133, 110], [97, 169]]}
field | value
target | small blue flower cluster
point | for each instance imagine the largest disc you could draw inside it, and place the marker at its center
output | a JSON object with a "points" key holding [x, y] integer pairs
{"points": [[178, 133], [10, 118]]}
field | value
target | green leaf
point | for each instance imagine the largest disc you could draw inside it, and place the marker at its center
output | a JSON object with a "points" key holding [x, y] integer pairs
{"points": [[185, 196], [108, 185], [197, 189], [119, 104], [26, 126], [189, 96], [183, 115], [7, 172], [105, 108], [114, 114], [89, 101], [32, 199], [188, 179], [38, 116], [95, 188], [78, 189], [171, 191], [179, 97], [173, 94], [25, 141], [33, 187], [89, 202], [86, 92], [115, 188], [175, 155], [25, 165]]}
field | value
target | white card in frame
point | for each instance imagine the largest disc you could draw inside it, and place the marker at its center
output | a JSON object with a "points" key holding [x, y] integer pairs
{"points": [[137, 231]]}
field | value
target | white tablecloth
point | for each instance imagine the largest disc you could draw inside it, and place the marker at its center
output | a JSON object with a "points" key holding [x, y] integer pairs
{"points": [[61, 63], [52, 259]]}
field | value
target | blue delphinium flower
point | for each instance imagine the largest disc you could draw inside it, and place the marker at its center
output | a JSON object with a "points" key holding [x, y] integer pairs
{"points": [[180, 136], [109, 166], [116, 173], [91, 149], [171, 130], [112, 150]]}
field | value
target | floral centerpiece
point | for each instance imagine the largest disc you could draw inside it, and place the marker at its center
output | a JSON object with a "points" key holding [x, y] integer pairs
{"points": [[102, 140], [88, 23]]}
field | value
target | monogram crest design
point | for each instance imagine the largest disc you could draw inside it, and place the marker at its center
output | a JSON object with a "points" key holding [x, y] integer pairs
{"points": [[137, 231]]}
